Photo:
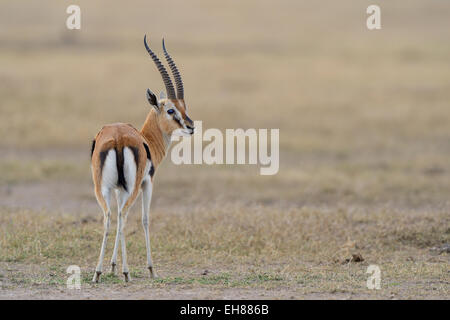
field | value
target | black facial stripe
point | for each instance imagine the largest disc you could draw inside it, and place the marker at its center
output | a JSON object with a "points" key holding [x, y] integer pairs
{"points": [[178, 121]]}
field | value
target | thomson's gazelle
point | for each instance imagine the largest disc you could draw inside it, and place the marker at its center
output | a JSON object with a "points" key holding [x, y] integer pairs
{"points": [[125, 160]]}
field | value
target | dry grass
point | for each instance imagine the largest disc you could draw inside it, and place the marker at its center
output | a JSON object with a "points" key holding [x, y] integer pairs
{"points": [[363, 118], [244, 247]]}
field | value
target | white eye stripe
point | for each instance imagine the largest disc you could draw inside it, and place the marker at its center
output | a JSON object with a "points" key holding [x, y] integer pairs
{"points": [[178, 113]]}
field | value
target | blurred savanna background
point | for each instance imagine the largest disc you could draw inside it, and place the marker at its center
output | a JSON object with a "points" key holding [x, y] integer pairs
{"points": [[364, 148]]}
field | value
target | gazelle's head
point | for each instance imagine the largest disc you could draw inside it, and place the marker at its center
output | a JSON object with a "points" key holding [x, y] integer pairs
{"points": [[171, 109]]}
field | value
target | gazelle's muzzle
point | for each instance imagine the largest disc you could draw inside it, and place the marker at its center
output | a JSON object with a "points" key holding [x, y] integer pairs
{"points": [[191, 129]]}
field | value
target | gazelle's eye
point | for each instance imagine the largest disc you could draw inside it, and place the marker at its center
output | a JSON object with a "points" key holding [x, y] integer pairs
{"points": [[170, 111]]}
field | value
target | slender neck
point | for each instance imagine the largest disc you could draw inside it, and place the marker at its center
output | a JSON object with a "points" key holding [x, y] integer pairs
{"points": [[157, 141]]}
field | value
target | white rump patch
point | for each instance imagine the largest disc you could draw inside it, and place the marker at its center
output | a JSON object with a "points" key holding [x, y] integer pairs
{"points": [[129, 169], [109, 172]]}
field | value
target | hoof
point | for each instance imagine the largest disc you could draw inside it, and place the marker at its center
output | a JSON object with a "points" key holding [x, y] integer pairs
{"points": [[127, 276], [153, 274], [96, 276]]}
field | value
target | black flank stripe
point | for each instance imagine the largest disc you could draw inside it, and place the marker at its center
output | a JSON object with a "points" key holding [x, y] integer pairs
{"points": [[103, 155], [149, 157], [147, 150], [92, 147]]}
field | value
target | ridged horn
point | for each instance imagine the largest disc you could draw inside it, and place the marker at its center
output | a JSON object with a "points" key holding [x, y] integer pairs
{"points": [[175, 73], [162, 70]]}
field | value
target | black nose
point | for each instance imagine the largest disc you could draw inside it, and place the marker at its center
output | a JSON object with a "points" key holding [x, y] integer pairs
{"points": [[190, 128]]}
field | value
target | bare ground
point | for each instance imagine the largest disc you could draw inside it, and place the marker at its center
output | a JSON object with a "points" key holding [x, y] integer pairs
{"points": [[364, 141], [410, 267]]}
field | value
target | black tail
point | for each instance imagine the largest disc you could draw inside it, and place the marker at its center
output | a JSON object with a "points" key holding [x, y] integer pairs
{"points": [[119, 162]]}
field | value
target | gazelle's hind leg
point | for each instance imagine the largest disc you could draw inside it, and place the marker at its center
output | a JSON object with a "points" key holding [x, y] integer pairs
{"points": [[116, 242], [103, 193], [124, 200], [106, 224], [146, 200], [122, 197]]}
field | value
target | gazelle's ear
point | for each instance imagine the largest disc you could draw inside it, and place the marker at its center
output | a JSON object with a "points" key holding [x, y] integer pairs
{"points": [[152, 99], [162, 95]]}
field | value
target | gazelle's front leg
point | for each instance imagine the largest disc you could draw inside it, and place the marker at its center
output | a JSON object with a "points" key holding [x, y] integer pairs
{"points": [[146, 200]]}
